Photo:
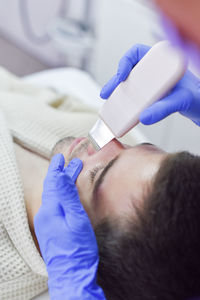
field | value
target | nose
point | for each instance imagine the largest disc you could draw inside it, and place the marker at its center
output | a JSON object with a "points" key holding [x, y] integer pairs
{"points": [[113, 145], [112, 148], [94, 159]]}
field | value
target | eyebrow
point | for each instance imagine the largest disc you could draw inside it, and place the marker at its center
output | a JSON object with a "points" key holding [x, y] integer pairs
{"points": [[102, 175]]}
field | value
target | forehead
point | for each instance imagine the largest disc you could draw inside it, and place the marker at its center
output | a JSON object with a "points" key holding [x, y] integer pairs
{"points": [[129, 180], [138, 164]]}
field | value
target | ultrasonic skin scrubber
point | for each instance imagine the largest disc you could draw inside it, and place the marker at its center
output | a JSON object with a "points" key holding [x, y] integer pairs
{"points": [[150, 80]]}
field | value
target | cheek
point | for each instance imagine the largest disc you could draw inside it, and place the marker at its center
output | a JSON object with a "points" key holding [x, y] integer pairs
{"points": [[83, 184], [84, 191]]}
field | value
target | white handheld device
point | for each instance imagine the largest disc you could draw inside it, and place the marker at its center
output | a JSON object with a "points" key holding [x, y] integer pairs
{"points": [[151, 79]]}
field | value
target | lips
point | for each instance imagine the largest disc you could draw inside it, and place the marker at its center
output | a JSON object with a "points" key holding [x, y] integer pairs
{"points": [[75, 143]]}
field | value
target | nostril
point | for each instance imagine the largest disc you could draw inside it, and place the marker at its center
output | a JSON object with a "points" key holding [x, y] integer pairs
{"points": [[113, 147], [91, 150], [116, 144]]}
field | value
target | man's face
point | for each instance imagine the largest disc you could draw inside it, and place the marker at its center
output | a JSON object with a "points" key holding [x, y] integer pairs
{"points": [[115, 179]]}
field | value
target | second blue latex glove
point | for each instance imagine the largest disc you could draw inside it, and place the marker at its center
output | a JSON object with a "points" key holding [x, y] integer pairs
{"points": [[65, 235], [184, 98]]}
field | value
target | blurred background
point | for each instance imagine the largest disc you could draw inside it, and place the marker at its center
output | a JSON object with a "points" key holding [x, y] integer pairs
{"points": [[91, 35]]}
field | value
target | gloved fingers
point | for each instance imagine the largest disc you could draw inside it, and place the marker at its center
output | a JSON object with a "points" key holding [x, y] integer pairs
{"points": [[126, 64], [57, 163], [178, 100], [55, 167], [75, 215], [109, 87], [53, 177], [74, 168], [57, 181], [130, 59]]}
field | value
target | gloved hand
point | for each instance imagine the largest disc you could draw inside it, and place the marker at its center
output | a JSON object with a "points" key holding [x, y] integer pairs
{"points": [[65, 235], [184, 98]]}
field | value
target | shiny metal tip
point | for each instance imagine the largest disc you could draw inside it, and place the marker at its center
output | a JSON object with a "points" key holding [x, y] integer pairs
{"points": [[95, 145], [100, 135]]}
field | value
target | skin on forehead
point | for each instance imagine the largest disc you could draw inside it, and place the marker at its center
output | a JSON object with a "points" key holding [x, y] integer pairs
{"points": [[127, 171], [125, 187], [185, 14]]}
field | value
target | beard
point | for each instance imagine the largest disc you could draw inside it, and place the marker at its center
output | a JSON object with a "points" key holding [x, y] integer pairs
{"points": [[81, 147], [63, 145]]}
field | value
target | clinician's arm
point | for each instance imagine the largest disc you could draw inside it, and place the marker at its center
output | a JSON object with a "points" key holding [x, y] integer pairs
{"points": [[184, 98], [66, 237]]}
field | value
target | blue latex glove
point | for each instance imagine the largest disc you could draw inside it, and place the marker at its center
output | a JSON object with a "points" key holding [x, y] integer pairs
{"points": [[65, 235], [184, 98]]}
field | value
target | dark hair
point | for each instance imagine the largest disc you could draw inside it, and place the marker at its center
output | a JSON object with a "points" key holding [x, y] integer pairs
{"points": [[158, 257]]}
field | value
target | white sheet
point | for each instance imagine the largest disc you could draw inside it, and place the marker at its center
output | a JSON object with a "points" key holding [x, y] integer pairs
{"points": [[69, 81], [78, 83]]}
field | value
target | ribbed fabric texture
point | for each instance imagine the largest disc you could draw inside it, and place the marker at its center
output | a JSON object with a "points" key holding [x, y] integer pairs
{"points": [[36, 119], [22, 271]]}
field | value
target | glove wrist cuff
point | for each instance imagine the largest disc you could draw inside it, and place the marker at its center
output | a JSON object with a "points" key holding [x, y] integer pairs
{"points": [[77, 292]]}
